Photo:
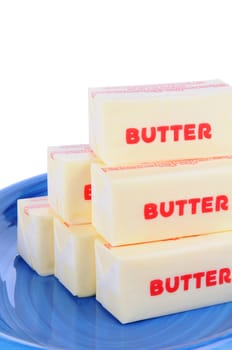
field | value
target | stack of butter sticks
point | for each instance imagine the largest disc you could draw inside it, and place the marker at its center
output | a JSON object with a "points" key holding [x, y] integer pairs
{"points": [[142, 216], [55, 234]]}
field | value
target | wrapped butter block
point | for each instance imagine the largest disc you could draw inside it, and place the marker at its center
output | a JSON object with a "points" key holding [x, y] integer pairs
{"points": [[35, 234], [69, 188], [159, 122], [75, 257], [160, 200], [137, 282]]}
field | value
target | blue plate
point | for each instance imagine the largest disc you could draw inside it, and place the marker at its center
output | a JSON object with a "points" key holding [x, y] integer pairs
{"points": [[38, 312]]}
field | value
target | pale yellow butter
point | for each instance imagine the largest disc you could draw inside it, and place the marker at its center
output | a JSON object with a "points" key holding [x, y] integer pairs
{"points": [[137, 282], [160, 200], [156, 122], [75, 257], [69, 186], [35, 238]]}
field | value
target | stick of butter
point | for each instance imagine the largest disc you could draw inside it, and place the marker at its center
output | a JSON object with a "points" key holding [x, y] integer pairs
{"points": [[75, 257], [156, 122], [163, 199], [69, 188], [35, 237], [137, 282]]}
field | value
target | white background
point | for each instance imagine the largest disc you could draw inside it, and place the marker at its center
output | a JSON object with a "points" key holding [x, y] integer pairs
{"points": [[52, 51]]}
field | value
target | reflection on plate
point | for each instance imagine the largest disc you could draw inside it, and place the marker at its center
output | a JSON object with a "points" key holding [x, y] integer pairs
{"points": [[38, 312]]}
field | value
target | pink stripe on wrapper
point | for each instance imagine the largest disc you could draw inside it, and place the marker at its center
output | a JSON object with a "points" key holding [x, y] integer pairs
{"points": [[164, 163], [159, 88], [71, 150], [35, 206]]}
